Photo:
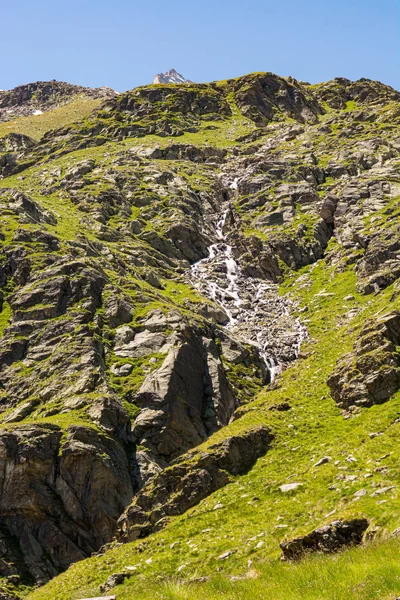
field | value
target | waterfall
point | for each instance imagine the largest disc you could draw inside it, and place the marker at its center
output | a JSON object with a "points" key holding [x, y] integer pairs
{"points": [[255, 311]]}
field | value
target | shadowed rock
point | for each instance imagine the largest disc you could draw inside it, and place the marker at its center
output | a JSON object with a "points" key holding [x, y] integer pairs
{"points": [[186, 483], [330, 538], [370, 374]]}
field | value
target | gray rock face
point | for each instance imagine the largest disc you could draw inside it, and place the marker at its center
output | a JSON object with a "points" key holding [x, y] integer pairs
{"points": [[114, 580], [262, 97], [60, 502], [371, 373], [184, 484], [29, 211], [15, 141], [364, 91], [380, 265], [128, 344], [331, 538], [185, 400]]}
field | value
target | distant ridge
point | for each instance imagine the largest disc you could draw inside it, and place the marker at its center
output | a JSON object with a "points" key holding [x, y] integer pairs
{"points": [[41, 96]]}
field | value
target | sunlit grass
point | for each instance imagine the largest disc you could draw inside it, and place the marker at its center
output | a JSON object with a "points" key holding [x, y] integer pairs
{"points": [[37, 125]]}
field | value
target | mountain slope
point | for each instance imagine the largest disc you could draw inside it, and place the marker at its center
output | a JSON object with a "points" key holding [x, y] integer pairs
{"points": [[193, 278], [38, 97], [33, 109]]}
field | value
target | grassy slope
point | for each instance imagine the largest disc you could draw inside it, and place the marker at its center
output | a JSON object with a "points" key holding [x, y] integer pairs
{"points": [[36, 126], [360, 574], [70, 226], [253, 504]]}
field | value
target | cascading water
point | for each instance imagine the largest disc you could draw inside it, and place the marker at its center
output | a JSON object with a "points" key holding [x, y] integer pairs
{"points": [[254, 309]]}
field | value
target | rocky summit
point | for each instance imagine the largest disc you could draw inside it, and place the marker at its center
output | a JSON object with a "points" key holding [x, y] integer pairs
{"points": [[170, 76], [199, 339]]}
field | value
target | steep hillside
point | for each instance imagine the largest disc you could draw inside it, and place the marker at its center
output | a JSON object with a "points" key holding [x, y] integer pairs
{"points": [[29, 111], [36, 98], [200, 341]]}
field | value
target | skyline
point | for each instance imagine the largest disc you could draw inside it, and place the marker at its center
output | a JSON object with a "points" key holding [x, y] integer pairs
{"points": [[123, 46]]}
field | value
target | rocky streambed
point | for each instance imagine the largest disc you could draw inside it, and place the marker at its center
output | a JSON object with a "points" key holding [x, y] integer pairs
{"points": [[255, 312]]}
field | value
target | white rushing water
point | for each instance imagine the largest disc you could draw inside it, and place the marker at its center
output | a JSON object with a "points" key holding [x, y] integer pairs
{"points": [[255, 311]]}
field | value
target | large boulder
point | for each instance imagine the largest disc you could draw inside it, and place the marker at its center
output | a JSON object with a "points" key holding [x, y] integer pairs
{"points": [[330, 538], [185, 400]]}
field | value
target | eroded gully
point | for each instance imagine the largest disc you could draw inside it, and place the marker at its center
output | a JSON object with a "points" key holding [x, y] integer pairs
{"points": [[256, 313]]}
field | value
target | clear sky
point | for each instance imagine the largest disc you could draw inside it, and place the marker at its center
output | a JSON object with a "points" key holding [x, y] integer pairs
{"points": [[124, 43]]}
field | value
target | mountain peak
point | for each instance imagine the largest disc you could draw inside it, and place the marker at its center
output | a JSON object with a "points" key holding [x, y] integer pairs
{"points": [[170, 76]]}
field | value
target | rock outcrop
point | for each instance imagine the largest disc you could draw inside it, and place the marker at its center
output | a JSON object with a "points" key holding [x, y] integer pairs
{"points": [[371, 373], [184, 484], [60, 496], [330, 538], [38, 97]]}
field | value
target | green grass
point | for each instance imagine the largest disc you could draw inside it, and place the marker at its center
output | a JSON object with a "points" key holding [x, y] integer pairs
{"points": [[351, 105], [359, 574], [5, 316], [36, 126], [253, 505], [364, 573]]}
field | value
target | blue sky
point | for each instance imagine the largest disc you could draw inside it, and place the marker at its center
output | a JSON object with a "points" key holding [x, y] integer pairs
{"points": [[123, 43]]}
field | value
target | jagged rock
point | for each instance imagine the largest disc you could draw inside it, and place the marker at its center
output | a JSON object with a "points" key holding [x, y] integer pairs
{"points": [[328, 209], [205, 154], [21, 412], [370, 374], [112, 417], [29, 210], [90, 494], [79, 169], [118, 311], [153, 280], [185, 399], [140, 344], [15, 141], [262, 98], [51, 242], [184, 484], [329, 538], [380, 265], [364, 91], [121, 370]]}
